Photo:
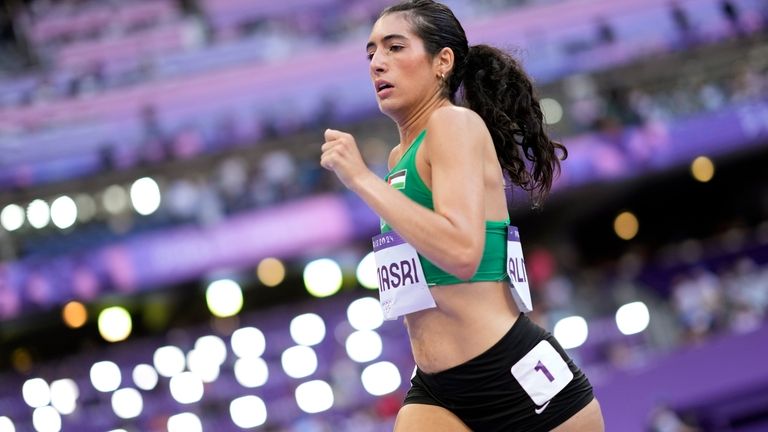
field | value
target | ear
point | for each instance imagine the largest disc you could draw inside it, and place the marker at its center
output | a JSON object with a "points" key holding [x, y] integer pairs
{"points": [[443, 61]]}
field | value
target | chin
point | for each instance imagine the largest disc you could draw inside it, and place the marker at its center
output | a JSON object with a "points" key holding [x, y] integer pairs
{"points": [[389, 109]]}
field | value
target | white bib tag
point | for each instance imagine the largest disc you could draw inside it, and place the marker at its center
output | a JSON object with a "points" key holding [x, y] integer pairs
{"points": [[518, 277], [402, 286], [542, 373]]}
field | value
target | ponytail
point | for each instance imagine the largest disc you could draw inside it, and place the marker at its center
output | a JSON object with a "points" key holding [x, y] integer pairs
{"points": [[497, 88]]}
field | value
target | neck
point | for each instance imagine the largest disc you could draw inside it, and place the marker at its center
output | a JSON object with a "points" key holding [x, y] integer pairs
{"points": [[416, 121]]}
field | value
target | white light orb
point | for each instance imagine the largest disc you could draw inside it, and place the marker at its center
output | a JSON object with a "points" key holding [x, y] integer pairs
{"points": [[552, 110], [633, 318], [299, 361], [314, 396], [214, 349], [184, 422], [12, 218], [127, 403], [64, 394], [224, 298], [145, 196], [64, 212], [38, 214], [168, 360], [6, 425], [201, 363], [363, 346], [366, 272], [307, 329], [145, 377], [36, 392], [115, 324], [365, 314], [248, 412], [381, 378], [105, 376], [186, 388], [323, 277], [46, 419], [251, 372], [248, 342], [571, 332]]}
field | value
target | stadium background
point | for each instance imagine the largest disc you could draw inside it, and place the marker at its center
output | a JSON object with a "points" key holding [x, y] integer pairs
{"points": [[172, 257]]}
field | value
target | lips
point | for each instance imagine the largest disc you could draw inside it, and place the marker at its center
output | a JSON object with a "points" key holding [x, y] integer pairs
{"points": [[382, 86]]}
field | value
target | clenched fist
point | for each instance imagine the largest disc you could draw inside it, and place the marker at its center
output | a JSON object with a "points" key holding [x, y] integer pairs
{"points": [[341, 155]]}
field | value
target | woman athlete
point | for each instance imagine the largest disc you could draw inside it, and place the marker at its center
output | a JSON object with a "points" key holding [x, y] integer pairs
{"points": [[482, 365]]}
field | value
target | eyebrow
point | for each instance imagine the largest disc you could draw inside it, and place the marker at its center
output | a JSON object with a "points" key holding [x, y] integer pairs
{"points": [[385, 39]]}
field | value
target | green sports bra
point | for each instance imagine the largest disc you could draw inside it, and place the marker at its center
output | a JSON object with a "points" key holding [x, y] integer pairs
{"points": [[404, 177]]}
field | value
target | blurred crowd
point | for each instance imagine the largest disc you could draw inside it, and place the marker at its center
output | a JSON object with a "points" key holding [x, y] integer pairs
{"points": [[168, 38]]}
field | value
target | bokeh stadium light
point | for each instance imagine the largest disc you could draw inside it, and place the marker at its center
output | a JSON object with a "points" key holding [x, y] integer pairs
{"points": [[248, 412], [36, 392], [251, 372], [271, 272], [323, 277], [169, 360], [299, 361], [314, 396], [38, 214], [127, 403], [145, 196], [145, 377], [365, 314], [248, 342], [63, 212], [12, 217], [224, 298], [632, 318], [64, 395], [366, 272], [703, 169], [363, 346], [381, 378], [626, 225], [571, 332], [307, 329], [115, 324], [105, 376]]}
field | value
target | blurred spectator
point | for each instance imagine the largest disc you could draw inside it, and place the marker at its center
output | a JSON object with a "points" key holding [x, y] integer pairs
{"points": [[665, 419], [697, 298]]}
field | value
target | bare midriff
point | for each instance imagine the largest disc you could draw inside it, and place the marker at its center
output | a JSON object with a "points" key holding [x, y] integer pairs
{"points": [[469, 319]]}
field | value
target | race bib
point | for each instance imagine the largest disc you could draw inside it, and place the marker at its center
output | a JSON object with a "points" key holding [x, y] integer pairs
{"points": [[402, 286], [542, 373], [518, 277]]}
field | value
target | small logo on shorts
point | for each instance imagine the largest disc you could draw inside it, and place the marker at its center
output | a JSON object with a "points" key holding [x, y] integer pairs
{"points": [[541, 409]]}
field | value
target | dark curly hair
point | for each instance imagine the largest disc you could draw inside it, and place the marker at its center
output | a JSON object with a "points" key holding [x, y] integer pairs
{"points": [[495, 86]]}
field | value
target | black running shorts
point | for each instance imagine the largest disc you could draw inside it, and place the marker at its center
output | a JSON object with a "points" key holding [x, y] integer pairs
{"points": [[525, 382]]}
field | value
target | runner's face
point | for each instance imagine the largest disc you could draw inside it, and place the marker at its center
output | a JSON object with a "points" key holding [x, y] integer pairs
{"points": [[401, 70]]}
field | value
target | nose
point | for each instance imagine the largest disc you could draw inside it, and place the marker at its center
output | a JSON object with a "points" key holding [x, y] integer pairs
{"points": [[378, 65]]}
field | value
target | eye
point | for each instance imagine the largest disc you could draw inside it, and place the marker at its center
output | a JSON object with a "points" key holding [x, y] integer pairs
{"points": [[395, 48], [370, 56]]}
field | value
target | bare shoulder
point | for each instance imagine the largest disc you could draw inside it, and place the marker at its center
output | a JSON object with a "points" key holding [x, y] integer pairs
{"points": [[455, 116], [457, 124]]}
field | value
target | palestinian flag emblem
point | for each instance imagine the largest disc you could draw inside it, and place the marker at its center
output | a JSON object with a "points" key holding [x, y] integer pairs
{"points": [[397, 179]]}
